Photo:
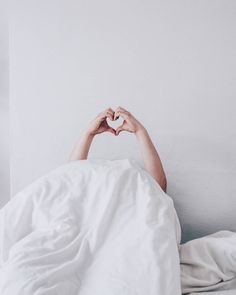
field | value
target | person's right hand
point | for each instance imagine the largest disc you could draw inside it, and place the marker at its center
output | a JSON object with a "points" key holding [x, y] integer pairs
{"points": [[100, 125]]}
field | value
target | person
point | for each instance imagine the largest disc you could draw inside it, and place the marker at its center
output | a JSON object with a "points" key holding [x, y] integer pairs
{"points": [[151, 159]]}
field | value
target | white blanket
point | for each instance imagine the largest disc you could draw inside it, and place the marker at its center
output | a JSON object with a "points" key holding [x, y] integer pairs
{"points": [[209, 263], [228, 292], [90, 228]]}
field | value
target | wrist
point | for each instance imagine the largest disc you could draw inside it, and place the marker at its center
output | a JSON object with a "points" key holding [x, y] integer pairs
{"points": [[140, 130], [89, 135]]}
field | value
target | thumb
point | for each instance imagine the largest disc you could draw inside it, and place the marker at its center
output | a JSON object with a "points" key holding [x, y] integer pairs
{"points": [[119, 129], [112, 130]]}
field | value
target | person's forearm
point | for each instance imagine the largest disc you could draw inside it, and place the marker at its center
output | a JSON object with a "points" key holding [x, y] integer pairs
{"points": [[152, 161], [81, 149]]}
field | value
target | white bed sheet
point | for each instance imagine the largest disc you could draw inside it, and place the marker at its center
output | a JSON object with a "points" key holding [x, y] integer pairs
{"points": [[209, 263]]}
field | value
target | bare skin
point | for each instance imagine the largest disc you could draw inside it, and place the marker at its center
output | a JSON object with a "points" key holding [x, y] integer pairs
{"points": [[152, 161]]}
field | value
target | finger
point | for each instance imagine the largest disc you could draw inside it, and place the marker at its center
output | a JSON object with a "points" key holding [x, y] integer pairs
{"points": [[121, 109], [116, 116], [112, 130], [110, 110], [106, 114], [119, 129], [110, 115], [122, 114]]}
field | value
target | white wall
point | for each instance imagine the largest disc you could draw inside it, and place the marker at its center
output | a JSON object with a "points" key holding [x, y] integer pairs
{"points": [[172, 63], [4, 108]]}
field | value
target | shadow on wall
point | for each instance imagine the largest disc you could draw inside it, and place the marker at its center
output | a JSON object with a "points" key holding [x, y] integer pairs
{"points": [[4, 157], [201, 173], [4, 109]]}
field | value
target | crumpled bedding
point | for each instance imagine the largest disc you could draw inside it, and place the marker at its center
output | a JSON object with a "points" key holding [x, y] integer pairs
{"points": [[228, 292], [90, 227], [209, 264]]}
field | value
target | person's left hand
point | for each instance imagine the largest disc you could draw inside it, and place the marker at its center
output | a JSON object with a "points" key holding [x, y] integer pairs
{"points": [[130, 123]]}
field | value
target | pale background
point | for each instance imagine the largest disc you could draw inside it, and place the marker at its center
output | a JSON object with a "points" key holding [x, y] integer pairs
{"points": [[172, 63], [4, 107]]}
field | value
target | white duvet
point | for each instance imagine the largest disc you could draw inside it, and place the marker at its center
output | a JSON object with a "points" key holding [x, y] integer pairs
{"points": [[93, 227]]}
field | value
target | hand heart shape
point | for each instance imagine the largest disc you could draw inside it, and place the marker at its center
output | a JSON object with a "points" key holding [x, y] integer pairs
{"points": [[119, 120], [115, 123]]}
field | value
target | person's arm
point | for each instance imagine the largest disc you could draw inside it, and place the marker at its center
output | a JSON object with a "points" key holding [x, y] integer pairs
{"points": [[152, 161], [97, 126]]}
